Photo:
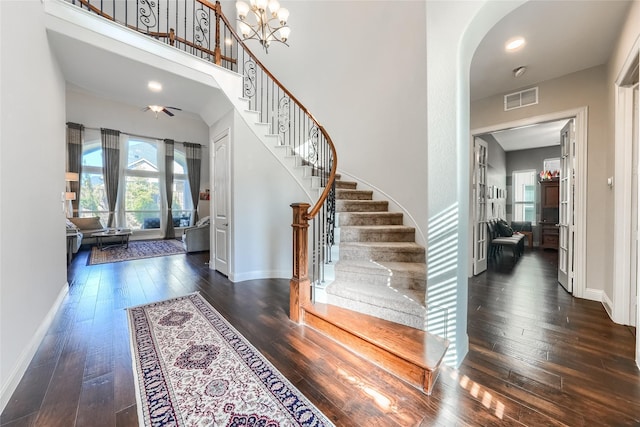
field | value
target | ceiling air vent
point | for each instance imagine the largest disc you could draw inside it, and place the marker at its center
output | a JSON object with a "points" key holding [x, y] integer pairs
{"points": [[521, 99]]}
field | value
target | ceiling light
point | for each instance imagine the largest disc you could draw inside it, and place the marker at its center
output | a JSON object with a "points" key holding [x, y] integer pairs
{"points": [[156, 108], [514, 44], [154, 86], [518, 71]]}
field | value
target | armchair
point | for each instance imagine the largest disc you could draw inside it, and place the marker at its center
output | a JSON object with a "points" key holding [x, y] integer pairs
{"points": [[196, 238]]}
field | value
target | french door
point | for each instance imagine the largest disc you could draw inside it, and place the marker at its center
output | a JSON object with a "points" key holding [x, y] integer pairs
{"points": [[480, 243], [566, 214]]}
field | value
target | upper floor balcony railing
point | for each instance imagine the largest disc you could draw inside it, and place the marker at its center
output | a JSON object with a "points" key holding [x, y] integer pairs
{"points": [[200, 28]]}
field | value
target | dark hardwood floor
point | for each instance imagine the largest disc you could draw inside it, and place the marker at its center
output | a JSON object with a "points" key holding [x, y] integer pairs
{"points": [[537, 356]]}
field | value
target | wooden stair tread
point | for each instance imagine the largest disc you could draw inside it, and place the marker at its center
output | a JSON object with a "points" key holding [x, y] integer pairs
{"points": [[415, 346]]}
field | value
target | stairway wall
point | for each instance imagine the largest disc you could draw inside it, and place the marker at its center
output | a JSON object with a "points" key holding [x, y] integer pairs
{"points": [[260, 216], [374, 108]]}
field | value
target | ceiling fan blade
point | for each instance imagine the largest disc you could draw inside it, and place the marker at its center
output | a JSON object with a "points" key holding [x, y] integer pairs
{"points": [[146, 109], [175, 108], [168, 112]]}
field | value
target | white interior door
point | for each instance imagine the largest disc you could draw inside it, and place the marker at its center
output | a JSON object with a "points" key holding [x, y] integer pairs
{"points": [[480, 207], [566, 216], [221, 202]]}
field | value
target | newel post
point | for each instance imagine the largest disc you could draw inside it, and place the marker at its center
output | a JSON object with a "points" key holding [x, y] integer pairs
{"points": [[216, 51], [299, 286]]}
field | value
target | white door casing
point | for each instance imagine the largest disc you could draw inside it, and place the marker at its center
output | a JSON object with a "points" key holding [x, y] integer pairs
{"points": [[480, 244], [221, 202], [581, 116], [634, 304], [565, 224], [625, 240]]}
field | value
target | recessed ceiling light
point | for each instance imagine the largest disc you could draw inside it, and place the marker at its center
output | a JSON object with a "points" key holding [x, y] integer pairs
{"points": [[514, 44], [154, 86]]}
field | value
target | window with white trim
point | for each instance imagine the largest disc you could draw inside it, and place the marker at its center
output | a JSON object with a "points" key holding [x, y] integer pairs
{"points": [[524, 195]]}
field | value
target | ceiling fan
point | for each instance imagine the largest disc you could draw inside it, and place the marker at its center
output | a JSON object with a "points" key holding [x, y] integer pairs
{"points": [[158, 108]]}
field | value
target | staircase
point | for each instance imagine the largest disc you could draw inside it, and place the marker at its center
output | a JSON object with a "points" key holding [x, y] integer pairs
{"points": [[381, 271], [377, 301]]}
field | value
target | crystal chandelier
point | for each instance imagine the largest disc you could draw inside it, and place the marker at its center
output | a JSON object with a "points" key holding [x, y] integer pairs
{"points": [[268, 27]]}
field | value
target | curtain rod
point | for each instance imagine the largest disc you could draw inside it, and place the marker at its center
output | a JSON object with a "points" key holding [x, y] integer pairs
{"points": [[144, 136]]}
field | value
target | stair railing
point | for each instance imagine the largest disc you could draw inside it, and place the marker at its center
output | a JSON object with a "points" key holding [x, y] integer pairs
{"points": [[200, 28]]}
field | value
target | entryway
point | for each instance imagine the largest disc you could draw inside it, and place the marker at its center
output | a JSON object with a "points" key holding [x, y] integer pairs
{"points": [[489, 199]]}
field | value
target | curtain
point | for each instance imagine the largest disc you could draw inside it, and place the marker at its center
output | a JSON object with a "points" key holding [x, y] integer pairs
{"points": [[170, 232], [74, 160], [111, 169], [193, 154]]}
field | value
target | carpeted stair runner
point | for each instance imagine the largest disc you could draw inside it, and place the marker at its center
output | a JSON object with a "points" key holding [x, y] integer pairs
{"points": [[381, 271]]}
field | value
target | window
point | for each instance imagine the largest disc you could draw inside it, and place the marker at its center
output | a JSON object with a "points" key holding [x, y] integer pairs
{"points": [[524, 195], [93, 199], [142, 195], [142, 200]]}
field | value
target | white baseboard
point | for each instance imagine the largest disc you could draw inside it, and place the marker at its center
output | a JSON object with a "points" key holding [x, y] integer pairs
{"points": [[608, 304], [593, 294], [260, 274], [25, 358]]}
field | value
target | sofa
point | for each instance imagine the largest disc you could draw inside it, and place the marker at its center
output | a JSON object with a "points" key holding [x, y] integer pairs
{"points": [[197, 238], [88, 226], [74, 239], [501, 235]]}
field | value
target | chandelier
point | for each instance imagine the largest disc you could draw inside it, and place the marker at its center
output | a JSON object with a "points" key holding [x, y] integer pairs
{"points": [[268, 26]]}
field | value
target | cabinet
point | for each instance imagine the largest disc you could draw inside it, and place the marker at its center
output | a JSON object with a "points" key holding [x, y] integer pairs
{"points": [[549, 213]]}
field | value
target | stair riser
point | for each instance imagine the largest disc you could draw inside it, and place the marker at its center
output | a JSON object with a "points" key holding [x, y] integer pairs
{"points": [[353, 195], [414, 321], [361, 206], [374, 280], [359, 235], [346, 219], [381, 254], [346, 185]]}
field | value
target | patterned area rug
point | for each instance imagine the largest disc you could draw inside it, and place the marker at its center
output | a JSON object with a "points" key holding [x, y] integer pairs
{"points": [[192, 368], [136, 250]]}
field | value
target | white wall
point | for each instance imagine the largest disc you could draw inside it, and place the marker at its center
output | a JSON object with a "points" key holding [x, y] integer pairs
{"points": [[262, 192], [454, 30], [92, 110], [360, 69], [32, 162]]}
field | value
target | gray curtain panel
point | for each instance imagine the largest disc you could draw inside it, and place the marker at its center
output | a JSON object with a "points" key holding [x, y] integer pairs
{"points": [[170, 232], [74, 159], [111, 169], [193, 153]]}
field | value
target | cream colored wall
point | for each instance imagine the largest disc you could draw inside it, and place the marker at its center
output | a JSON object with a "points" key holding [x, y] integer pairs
{"points": [[584, 88]]}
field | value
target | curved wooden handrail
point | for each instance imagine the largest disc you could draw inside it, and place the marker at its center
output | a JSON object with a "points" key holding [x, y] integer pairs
{"points": [[300, 283], [332, 175]]}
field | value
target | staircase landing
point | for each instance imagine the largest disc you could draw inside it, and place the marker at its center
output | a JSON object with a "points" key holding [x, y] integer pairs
{"points": [[410, 354]]}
